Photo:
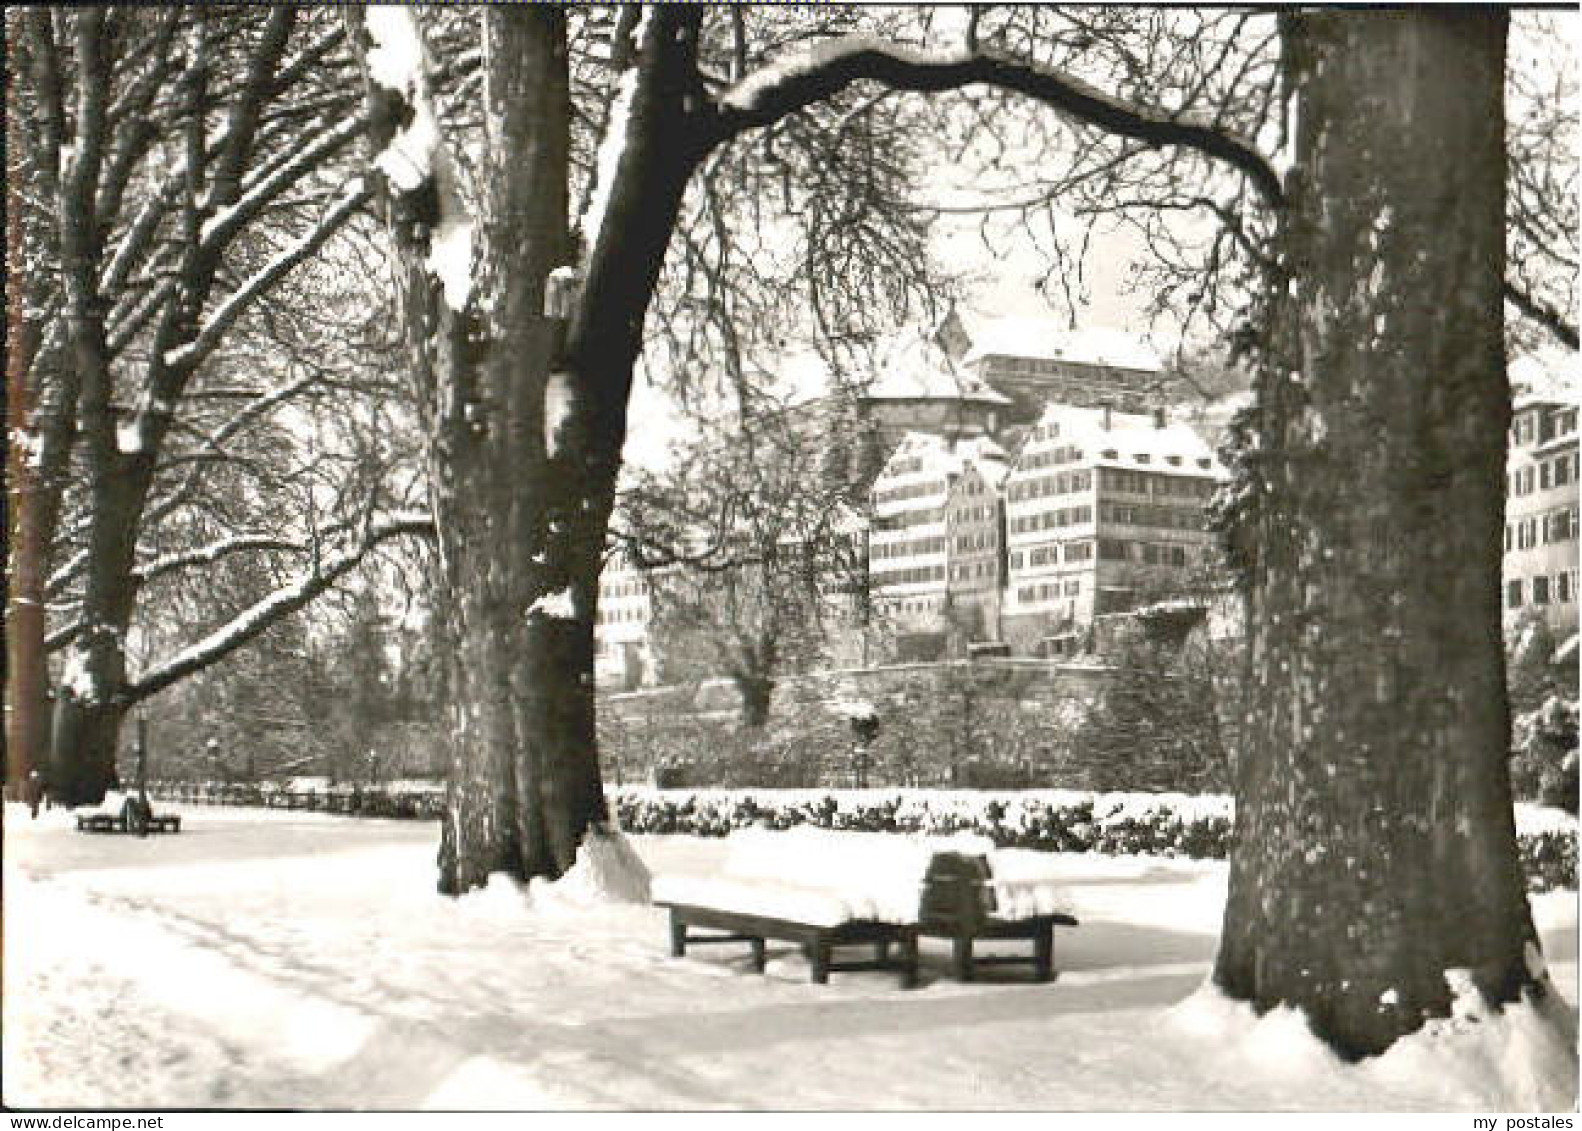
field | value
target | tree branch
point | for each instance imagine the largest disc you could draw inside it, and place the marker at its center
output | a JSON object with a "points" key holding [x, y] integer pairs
{"points": [[220, 321], [828, 67], [271, 610], [1553, 321]]}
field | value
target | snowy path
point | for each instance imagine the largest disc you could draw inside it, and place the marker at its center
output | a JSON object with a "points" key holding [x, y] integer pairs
{"points": [[293, 960]]}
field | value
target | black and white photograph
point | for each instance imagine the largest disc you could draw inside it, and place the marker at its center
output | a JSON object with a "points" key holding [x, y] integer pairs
{"points": [[668, 558]]}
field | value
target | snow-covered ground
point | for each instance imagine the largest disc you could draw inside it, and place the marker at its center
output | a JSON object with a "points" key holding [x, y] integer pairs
{"points": [[272, 959]]}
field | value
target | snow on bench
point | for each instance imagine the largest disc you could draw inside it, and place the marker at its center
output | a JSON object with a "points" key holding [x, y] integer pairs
{"points": [[825, 888], [122, 812]]}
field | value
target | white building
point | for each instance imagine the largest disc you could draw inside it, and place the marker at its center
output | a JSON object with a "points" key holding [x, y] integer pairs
{"points": [[909, 528], [622, 655], [1540, 564], [1103, 510], [1040, 361]]}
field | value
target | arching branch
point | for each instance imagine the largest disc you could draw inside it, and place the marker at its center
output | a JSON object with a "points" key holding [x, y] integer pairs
{"points": [[826, 68], [274, 608]]}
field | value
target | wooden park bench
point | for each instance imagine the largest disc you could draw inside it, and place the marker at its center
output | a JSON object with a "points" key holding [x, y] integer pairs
{"points": [[124, 813], [829, 890], [1002, 894]]}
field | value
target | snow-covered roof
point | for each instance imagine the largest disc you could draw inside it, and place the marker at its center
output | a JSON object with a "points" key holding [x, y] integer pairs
{"points": [[910, 366], [941, 460], [1110, 438], [1548, 378], [987, 458], [1047, 339]]}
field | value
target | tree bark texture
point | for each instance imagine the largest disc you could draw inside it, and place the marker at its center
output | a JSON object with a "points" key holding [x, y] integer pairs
{"points": [[26, 677], [1375, 841], [526, 415]]}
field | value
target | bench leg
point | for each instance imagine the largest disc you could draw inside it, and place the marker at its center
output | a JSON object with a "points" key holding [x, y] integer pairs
{"points": [[1044, 953], [908, 960], [821, 962], [678, 936], [759, 959], [961, 954]]}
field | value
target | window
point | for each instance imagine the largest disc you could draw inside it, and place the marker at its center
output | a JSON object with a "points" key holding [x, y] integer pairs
{"points": [[1543, 476], [1563, 471], [1540, 590], [1513, 594], [1563, 588]]}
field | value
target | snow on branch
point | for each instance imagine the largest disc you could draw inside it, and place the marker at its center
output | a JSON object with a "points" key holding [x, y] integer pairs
{"points": [[213, 330], [227, 221], [214, 551], [829, 66], [266, 613], [266, 401], [415, 156], [615, 140], [1551, 320]]}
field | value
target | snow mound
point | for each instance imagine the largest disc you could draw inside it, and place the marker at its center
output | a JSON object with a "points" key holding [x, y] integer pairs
{"points": [[1521, 1058], [607, 870], [1278, 1044], [502, 899]]}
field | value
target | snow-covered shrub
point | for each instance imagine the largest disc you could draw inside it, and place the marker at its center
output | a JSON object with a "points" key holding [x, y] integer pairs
{"points": [[1549, 859], [1156, 824], [1195, 826], [1544, 753]]}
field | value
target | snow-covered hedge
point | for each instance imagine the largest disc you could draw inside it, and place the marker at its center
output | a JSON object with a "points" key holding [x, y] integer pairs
{"points": [[1154, 824], [412, 800]]}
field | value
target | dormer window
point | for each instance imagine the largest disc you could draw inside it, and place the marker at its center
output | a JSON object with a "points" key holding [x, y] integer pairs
{"points": [[1173, 461], [1203, 463], [1143, 457], [1109, 453]]}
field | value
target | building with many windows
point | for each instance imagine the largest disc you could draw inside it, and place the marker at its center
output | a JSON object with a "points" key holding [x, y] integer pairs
{"points": [[1541, 510], [975, 542], [622, 651], [1104, 510], [906, 531], [1035, 362]]}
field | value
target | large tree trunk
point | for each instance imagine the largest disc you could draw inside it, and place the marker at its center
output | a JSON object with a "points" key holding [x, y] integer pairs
{"points": [[26, 677], [1375, 842], [526, 415], [92, 698]]}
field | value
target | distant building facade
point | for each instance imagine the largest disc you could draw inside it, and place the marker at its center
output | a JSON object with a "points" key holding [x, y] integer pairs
{"points": [[975, 544], [1035, 362], [1540, 564], [1104, 510], [906, 532], [623, 658]]}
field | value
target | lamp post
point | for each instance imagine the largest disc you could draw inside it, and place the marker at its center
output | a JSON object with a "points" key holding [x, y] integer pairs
{"points": [[140, 749]]}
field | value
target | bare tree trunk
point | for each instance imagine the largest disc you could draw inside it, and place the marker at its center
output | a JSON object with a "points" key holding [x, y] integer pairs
{"points": [[26, 678], [1375, 841], [757, 692], [526, 416]]}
